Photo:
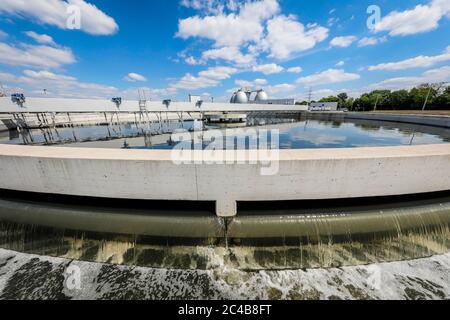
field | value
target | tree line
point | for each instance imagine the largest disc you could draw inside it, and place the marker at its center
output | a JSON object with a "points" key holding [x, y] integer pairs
{"points": [[434, 96]]}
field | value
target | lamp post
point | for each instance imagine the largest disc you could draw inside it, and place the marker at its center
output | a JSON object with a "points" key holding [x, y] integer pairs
{"points": [[376, 102]]}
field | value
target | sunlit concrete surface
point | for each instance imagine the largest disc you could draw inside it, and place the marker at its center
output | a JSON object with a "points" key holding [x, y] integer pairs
{"points": [[42, 105], [153, 175], [417, 119], [439, 121], [35, 120]]}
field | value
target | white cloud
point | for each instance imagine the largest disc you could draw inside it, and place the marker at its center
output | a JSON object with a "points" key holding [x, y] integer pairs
{"points": [[190, 82], [150, 93], [223, 30], [287, 36], [8, 77], [295, 70], [254, 23], [280, 88], [316, 95], [47, 75], [54, 12], [417, 62], [133, 77], [35, 56], [444, 5], [230, 54], [251, 84], [58, 85], [218, 73], [267, 69], [260, 82], [343, 42], [332, 21], [231, 29], [327, 77], [431, 76], [189, 59], [422, 18], [3, 35], [244, 83], [192, 61], [340, 63], [208, 6], [205, 79], [41, 38], [371, 41]]}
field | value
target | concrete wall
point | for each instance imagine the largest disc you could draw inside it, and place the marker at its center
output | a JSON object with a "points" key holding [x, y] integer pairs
{"points": [[42, 105], [438, 121], [303, 174], [3, 126], [418, 119], [6, 123], [34, 120]]}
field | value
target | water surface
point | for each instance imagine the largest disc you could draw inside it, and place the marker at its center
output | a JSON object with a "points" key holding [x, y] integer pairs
{"points": [[294, 133]]}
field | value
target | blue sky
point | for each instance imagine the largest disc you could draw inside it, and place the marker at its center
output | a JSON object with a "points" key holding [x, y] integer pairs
{"points": [[211, 47]]}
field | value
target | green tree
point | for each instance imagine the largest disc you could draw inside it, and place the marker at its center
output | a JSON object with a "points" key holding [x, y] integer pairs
{"points": [[365, 103], [442, 101], [343, 98], [330, 99], [418, 96], [350, 104], [398, 100], [438, 98], [379, 98]]}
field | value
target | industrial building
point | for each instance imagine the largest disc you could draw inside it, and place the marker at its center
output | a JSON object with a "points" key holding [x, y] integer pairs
{"points": [[323, 106]]}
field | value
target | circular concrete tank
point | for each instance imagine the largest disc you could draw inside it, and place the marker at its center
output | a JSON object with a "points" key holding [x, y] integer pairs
{"points": [[307, 175]]}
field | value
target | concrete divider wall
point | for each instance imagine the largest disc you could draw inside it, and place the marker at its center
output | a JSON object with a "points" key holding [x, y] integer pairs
{"points": [[152, 175], [3, 126], [32, 121], [43, 105], [378, 117], [437, 121]]}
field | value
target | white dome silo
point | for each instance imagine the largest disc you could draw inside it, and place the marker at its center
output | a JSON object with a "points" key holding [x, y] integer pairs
{"points": [[233, 98], [241, 97], [261, 96]]}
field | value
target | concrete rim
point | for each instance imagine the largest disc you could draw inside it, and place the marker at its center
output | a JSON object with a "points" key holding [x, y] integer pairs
{"points": [[166, 155], [153, 175]]}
